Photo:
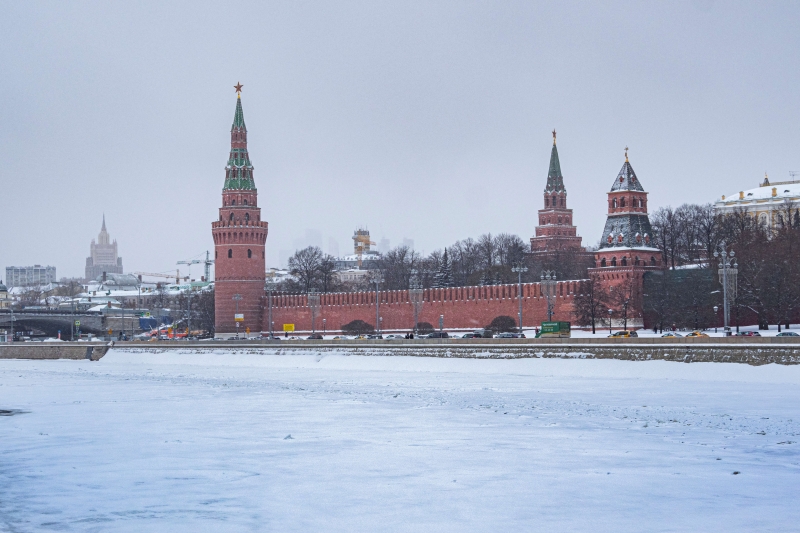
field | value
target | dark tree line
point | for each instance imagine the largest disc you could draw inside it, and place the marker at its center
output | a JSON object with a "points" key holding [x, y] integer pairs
{"points": [[684, 294]]}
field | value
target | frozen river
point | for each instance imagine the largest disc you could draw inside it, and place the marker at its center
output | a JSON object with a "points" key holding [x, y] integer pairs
{"points": [[254, 442]]}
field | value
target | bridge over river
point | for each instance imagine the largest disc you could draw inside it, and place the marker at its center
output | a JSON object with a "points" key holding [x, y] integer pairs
{"points": [[50, 322]]}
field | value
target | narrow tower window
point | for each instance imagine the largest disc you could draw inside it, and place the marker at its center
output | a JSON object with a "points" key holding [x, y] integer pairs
{"points": [[230, 253], [249, 254], [231, 217], [246, 215]]}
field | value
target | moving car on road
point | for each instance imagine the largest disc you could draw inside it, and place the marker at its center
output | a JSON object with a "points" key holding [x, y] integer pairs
{"points": [[787, 334], [624, 334]]}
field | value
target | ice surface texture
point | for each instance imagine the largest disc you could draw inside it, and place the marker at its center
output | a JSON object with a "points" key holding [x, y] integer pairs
{"points": [[199, 442]]}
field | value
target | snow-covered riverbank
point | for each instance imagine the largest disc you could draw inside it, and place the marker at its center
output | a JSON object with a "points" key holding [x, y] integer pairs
{"points": [[305, 442]]}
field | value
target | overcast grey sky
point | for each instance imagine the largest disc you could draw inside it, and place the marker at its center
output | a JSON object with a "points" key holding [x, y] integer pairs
{"points": [[427, 120]]}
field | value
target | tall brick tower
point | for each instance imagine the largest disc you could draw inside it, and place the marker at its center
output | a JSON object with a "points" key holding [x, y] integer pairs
{"points": [[239, 238], [627, 236], [555, 231]]}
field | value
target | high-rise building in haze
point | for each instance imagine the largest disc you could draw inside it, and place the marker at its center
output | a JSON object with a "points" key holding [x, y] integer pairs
{"points": [[103, 256]]}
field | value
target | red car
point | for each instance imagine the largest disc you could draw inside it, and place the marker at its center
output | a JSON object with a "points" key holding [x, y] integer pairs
{"points": [[748, 334]]}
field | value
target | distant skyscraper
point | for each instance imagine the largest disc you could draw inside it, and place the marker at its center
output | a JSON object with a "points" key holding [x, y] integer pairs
{"points": [[103, 256], [384, 245], [409, 243], [333, 247]]}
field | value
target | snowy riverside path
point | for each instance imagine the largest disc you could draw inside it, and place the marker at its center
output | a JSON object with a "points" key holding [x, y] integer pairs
{"points": [[200, 442]]}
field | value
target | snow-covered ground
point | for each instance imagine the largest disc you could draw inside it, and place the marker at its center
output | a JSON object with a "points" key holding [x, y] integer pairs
{"points": [[237, 441]]}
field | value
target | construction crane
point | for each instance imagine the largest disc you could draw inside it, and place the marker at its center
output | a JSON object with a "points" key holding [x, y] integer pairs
{"points": [[208, 262], [177, 275], [361, 243], [189, 264]]}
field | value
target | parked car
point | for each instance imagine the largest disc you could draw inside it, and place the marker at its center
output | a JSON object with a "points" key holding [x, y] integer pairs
{"points": [[748, 334], [697, 334], [471, 336], [671, 334], [314, 337], [509, 335], [438, 335], [787, 334], [483, 333], [340, 338], [624, 334], [394, 336]]}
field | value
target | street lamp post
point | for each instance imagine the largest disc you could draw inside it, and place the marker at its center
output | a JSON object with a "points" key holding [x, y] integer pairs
{"points": [[549, 283], [415, 294], [378, 280], [519, 269], [237, 298], [269, 289], [716, 309], [324, 326], [609, 321], [728, 272], [313, 305]]}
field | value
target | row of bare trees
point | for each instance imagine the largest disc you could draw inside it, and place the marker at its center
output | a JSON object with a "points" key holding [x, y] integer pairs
{"points": [[487, 260]]}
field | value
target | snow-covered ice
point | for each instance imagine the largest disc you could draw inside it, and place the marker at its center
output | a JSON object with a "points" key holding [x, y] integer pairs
{"points": [[237, 441]]}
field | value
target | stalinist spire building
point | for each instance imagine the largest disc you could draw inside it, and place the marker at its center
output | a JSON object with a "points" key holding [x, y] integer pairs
{"points": [[103, 256]]}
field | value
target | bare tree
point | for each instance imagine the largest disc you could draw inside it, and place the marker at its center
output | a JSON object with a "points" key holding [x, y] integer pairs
{"points": [[590, 303]]}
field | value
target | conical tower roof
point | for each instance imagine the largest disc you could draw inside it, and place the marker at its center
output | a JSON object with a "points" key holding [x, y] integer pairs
{"points": [[239, 170], [238, 116], [555, 181], [626, 179]]}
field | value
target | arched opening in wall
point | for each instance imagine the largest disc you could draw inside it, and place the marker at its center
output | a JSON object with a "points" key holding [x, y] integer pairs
{"points": [[624, 261], [555, 200], [547, 202], [613, 261], [231, 217], [622, 202], [246, 215], [233, 202], [262, 255], [230, 253], [614, 203], [220, 218], [603, 262], [249, 253], [245, 203], [652, 261], [636, 261]]}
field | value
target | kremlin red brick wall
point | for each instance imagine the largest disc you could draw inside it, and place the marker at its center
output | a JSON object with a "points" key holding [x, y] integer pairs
{"points": [[462, 307]]}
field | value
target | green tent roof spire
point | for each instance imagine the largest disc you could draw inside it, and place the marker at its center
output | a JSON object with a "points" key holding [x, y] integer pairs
{"points": [[555, 181], [239, 170], [238, 117]]}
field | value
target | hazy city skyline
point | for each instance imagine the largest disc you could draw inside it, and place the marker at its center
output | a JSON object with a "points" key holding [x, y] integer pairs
{"points": [[427, 121]]}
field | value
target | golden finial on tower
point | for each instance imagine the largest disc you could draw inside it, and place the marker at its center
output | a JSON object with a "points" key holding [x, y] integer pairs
{"points": [[238, 88], [554, 137], [626, 154]]}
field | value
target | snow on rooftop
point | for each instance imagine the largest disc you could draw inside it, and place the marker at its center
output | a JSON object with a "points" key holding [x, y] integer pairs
{"points": [[787, 190]]}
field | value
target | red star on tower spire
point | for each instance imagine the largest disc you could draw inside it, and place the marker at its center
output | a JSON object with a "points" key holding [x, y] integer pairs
{"points": [[238, 87]]}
